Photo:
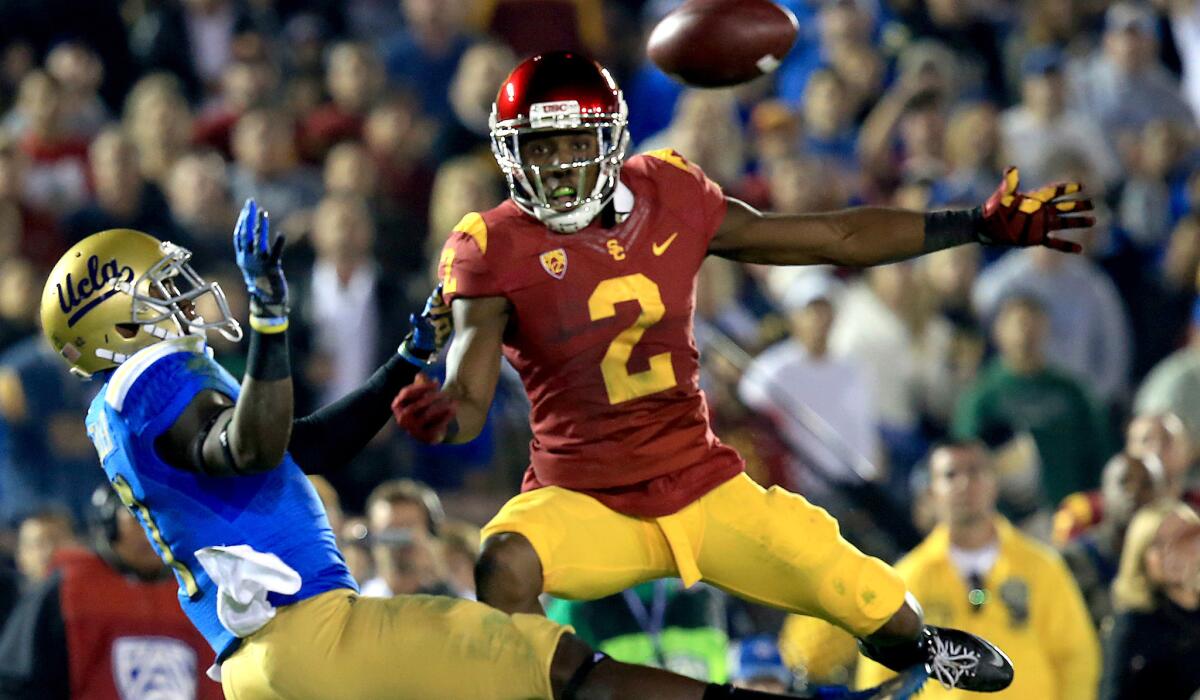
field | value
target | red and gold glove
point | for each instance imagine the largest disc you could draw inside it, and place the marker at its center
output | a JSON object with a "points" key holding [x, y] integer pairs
{"points": [[424, 411], [1015, 218]]}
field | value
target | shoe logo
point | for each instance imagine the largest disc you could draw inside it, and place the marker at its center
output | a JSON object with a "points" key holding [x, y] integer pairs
{"points": [[660, 248]]}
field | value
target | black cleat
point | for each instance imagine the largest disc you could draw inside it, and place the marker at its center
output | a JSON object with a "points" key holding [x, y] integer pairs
{"points": [[954, 658]]}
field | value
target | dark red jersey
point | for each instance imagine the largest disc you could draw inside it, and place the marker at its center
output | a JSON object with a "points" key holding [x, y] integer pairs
{"points": [[601, 333]]}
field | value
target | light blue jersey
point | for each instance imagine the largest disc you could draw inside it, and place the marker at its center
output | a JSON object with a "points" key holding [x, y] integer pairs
{"points": [[277, 512]]}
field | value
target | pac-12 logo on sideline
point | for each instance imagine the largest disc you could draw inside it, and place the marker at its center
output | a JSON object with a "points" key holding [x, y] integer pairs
{"points": [[154, 668], [555, 263]]}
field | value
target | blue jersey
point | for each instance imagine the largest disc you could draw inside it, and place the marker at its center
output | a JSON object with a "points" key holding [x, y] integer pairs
{"points": [[277, 512]]}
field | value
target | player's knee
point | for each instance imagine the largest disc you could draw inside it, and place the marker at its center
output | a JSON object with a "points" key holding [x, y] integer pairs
{"points": [[508, 570]]}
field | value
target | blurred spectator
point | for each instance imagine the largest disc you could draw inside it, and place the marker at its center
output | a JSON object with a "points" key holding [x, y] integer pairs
{"points": [[398, 137], [56, 172], [949, 277], [19, 283], [39, 237], [1126, 485], [1158, 166], [472, 93], [159, 122], [798, 384], [40, 405], [106, 624], [404, 504], [123, 199], [904, 135], [1042, 122], [1163, 437], [194, 39], [347, 296], [354, 78], [828, 31], [39, 536], [79, 73], [801, 185], [531, 27], [1088, 335], [1125, 86], [1019, 393], [1152, 650], [198, 193], [245, 85], [425, 54], [1173, 386], [885, 324], [755, 664], [978, 573], [829, 131], [460, 548], [706, 131], [405, 564], [1185, 27], [267, 168], [658, 623], [972, 155]]}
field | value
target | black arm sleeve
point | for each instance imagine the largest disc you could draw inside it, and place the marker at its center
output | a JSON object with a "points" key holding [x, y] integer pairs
{"points": [[330, 437], [33, 647]]}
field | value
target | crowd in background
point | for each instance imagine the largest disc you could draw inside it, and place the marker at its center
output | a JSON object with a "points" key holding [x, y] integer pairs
{"points": [[362, 127]]}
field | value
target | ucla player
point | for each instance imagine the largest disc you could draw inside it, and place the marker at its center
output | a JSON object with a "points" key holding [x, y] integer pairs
{"points": [[213, 470]]}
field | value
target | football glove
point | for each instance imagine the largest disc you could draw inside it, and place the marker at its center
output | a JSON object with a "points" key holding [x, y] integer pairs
{"points": [[258, 257], [424, 411], [1012, 218], [430, 331]]}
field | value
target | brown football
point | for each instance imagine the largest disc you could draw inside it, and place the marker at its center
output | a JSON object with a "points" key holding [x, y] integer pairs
{"points": [[715, 43]]}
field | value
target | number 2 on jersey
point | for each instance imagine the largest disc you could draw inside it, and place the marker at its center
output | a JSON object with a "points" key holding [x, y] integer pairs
{"points": [[621, 384]]}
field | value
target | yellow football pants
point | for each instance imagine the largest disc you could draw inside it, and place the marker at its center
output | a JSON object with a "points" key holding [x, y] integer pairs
{"points": [[339, 645], [767, 546]]}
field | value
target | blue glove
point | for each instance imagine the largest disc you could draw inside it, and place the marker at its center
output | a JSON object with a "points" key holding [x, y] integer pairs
{"points": [[258, 257], [430, 331]]}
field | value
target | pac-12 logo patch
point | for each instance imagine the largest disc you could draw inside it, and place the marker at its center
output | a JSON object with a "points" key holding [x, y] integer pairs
{"points": [[154, 668], [555, 263]]}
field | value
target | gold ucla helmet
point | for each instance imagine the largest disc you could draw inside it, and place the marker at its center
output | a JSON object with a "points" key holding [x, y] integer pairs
{"points": [[118, 291]]}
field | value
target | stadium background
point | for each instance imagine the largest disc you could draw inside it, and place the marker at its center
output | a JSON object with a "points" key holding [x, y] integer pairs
{"points": [[362, 127]]}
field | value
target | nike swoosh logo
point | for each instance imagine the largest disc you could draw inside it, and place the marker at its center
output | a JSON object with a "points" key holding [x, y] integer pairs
{"points": [[660, 248]]}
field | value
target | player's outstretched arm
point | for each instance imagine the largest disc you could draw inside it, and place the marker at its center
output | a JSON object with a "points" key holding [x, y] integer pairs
{"points": [[875, 235], [327, 439], [250, 436], [456, 413]]}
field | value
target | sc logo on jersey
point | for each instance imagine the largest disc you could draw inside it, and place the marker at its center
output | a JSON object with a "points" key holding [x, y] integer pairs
{"points": [[554, 262]]}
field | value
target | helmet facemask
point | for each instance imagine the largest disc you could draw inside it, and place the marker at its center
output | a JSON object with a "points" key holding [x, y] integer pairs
{"points": [[168, 292], [527, 182]]}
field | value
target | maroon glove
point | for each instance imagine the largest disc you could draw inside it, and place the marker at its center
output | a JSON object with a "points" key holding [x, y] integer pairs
{"points": [[424, 411], [1027, 218]]}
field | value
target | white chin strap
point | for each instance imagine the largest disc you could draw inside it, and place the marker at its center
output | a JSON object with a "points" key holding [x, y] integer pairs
{"points": [[569, 221], [578, 218]]}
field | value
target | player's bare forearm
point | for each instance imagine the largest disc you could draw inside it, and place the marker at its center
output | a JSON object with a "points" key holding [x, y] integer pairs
{"points": [[261, 424], [850, 237], [473, 363]]}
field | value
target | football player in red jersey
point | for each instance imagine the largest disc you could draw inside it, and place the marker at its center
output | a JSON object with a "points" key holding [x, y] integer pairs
{"points": [[585, 280]]}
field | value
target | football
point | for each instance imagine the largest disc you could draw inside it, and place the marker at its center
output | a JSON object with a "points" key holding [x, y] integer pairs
{"points": [[717, 43]]}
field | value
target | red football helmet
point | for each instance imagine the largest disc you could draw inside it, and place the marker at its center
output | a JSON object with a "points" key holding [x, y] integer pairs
{"points": [[560, 91]]}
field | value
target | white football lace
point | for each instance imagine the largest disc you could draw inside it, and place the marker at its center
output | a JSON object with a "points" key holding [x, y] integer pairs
{"points": [[951, 662]]}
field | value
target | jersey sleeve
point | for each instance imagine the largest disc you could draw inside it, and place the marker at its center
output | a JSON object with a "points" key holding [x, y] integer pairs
{"points": [[464, 268], [687, 189], [150, 390]]}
